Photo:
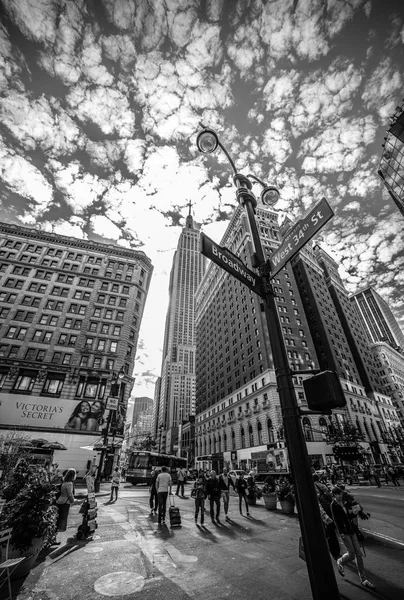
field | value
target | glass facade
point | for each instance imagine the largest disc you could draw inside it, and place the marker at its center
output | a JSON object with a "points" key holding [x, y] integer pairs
{"points": [[391, 168]]}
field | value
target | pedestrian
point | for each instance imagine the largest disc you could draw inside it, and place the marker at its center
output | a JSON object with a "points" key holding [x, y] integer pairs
{"points": [[153, 500], [393, 476], [225, 482], [65, 499], [213, 492], [386, 475], [199, 493], [115, 481], [348, 532], [163, 487], [241, 489], [181, 475], [324, 494], [374, 473]]}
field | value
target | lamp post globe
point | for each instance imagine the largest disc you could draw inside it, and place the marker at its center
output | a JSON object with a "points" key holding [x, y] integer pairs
{"points": [[207, 141], [270, 195]]}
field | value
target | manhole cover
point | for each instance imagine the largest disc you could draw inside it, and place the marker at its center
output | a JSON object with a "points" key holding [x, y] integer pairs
{"points": [[119, 584], [93, 549]]}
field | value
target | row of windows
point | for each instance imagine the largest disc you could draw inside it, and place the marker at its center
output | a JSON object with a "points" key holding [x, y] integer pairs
{"points": [[26, 378], [75, 256]]}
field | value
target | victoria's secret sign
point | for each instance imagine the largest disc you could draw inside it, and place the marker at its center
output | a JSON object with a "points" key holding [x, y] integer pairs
{"points": [[18, 410]]}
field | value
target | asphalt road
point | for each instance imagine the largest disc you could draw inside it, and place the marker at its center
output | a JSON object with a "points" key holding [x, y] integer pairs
{"points": [[386, 507]]}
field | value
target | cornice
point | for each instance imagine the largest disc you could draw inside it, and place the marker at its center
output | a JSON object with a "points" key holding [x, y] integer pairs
{"points": [[110, 249]]}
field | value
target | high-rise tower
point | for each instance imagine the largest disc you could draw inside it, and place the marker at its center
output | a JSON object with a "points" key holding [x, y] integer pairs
{"points": [[378, 318], [177, 394]]}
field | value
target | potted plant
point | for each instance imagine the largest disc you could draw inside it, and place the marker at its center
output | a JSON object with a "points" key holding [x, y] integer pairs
{"points": [[269, 493], [285, 492], [30, 511]]}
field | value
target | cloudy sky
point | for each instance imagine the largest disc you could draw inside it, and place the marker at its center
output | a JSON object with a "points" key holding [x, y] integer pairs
{"points": [[101, 101]]}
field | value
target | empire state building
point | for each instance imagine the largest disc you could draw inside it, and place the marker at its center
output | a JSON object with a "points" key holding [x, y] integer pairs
{"points": [[177, 392]]}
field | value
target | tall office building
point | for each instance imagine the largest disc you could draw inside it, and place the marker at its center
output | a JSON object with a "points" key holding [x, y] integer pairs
{"points": [[142, 420], [378, 318], [177, 386], [391, 168], [70, 314], [238, 414]]}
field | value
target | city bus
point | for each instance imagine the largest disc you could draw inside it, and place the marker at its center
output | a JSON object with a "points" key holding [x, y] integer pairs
{"points": [[141, 462]]}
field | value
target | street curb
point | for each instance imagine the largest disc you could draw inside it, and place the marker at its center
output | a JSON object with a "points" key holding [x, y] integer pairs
{"points": [[382, 539]]}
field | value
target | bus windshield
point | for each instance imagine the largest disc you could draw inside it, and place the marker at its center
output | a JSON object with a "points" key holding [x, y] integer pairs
{"points": [[141, 463]]}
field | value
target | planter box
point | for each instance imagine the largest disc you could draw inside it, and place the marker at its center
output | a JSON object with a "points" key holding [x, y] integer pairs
{"points": [[287, 507], [270, 500]]}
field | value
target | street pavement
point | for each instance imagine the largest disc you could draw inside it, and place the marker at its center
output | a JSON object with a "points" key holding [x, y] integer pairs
{"points": [[131, 557]]}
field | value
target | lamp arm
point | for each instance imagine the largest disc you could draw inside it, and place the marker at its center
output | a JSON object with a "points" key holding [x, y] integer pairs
{"points": [[251, 176], [229, 158]]}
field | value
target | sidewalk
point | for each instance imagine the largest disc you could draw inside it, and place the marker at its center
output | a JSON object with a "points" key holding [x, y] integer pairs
{"points": [[132, 558]]}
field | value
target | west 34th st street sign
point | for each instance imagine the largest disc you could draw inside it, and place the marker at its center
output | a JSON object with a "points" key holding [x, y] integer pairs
{"points": [[294, 241], [299, 235]]}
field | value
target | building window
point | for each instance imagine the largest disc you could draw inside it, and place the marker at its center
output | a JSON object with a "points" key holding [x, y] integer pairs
{"points": [[113, 347], [101, 345], [25, 380], [53, 383], [250, 435], [307, 430], [41, 355], [271, 435], [56, 358]]}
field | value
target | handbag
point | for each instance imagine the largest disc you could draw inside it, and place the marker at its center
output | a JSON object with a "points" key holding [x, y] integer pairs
{"points": [[193, 493]]}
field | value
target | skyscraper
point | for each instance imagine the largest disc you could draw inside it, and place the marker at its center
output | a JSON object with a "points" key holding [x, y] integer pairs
{"points": [[177, 391], [70, 314], [391, 168], [378, 318]]}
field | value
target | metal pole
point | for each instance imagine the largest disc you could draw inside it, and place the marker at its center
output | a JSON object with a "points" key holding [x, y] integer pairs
{"points": [[319, 565]]}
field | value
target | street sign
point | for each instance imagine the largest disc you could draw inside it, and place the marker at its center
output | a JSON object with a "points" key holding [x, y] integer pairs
{"points": [[112, 403], [224, 258], [299, 235]]}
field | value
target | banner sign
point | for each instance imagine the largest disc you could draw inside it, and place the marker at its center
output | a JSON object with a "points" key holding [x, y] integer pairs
{"points": [[228, 261], [39, 411]]}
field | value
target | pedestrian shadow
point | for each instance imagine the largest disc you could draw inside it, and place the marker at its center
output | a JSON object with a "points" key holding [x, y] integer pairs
{"points": [[209, 535]]}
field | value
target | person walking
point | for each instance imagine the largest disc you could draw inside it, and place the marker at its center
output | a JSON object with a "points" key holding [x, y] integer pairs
{"points": [[386, 475], [153, 500], [393, 476], [66, 498], [241, 489], [115, 481], [225, 482], [163, 487], [343, 520], [213, 493], [181, 475], [199, 493]]}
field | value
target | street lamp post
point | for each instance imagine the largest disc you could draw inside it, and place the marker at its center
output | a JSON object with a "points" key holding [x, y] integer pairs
{"points": [[319, 566], [115, 390]]}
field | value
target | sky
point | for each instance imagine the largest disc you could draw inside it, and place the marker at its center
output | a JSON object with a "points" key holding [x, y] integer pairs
{"points": [[101, 102]]}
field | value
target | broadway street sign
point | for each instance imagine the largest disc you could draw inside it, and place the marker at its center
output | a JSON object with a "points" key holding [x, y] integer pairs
{"points": [[299, 235], [230, 263]]}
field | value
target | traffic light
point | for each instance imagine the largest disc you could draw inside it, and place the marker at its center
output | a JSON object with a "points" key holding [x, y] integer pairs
{"points": [[324, 392]]}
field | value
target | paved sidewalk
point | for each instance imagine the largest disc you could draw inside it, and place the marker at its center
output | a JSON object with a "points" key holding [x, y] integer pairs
{"points": [[132, 558]]}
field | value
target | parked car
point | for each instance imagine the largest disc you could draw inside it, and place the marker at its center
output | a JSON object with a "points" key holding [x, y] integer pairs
{"points": [[235, 474]]}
